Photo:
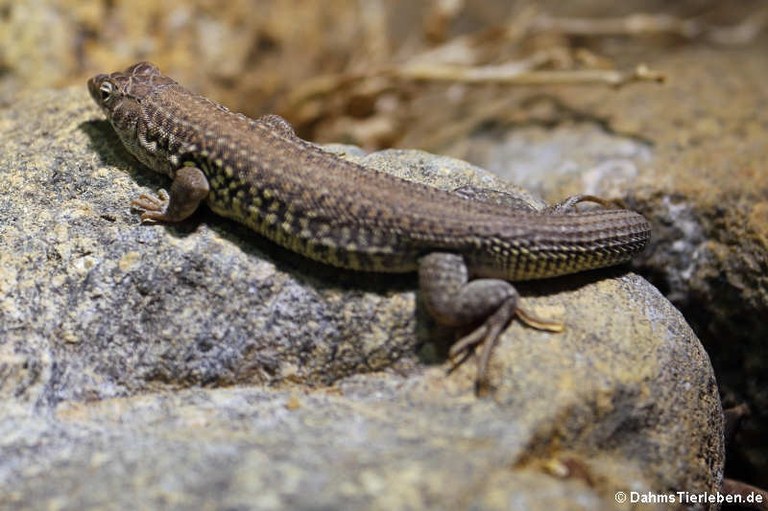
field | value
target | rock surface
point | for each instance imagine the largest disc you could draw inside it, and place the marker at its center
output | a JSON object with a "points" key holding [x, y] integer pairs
{"points": [[690, 155], [199, 366]]}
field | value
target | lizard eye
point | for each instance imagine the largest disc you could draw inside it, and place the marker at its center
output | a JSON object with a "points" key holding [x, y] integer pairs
{"points": [[105, 91]]}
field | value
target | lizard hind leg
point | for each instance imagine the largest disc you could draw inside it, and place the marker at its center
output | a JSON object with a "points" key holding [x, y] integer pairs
{"points": [[488, 333], [569, 203], [454, 300]]}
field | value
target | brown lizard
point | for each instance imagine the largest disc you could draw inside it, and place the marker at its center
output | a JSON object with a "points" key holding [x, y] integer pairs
{"points": [[261, 174]]}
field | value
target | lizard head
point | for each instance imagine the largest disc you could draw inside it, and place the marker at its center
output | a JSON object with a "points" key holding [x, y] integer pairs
{"points": [[120, 94], [123, 96]]}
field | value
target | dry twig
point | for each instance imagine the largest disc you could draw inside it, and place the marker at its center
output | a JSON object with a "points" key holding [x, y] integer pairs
{"points": [[642, 24], [514, 74]]}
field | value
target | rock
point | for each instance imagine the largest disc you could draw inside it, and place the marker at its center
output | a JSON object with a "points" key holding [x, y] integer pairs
{"points": [[690, 155], [199, 366]]}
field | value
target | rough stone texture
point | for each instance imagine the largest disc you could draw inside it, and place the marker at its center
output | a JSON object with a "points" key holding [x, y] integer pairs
{"points": [[691, 155], [117, 339]]}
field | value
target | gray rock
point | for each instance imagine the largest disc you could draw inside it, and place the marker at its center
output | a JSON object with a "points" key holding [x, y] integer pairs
{"points": [[199, 366]]}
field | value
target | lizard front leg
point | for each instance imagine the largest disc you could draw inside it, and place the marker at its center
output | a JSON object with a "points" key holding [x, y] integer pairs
{"points": [[189, 188], [454, 300]]}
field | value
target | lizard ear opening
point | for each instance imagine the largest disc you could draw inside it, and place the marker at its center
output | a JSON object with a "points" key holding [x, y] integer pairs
{"points": [[143, 69]]}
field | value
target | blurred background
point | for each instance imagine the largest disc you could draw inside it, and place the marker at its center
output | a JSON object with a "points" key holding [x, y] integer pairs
{"points": [[372, 72], [660, 104]]}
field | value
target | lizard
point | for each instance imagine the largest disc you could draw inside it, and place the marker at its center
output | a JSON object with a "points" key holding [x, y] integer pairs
{"points": [[260, 173]]}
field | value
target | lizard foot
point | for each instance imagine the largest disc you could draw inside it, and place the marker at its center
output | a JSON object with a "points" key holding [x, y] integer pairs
{"points": [[153, 206], [488, 333]]}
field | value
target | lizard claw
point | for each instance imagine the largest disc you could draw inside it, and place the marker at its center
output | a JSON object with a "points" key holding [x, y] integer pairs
{"points": [[150, 202], [153, 206]]}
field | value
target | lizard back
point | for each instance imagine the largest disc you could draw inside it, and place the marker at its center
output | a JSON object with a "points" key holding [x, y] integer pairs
{"points": [[341, 213]]}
